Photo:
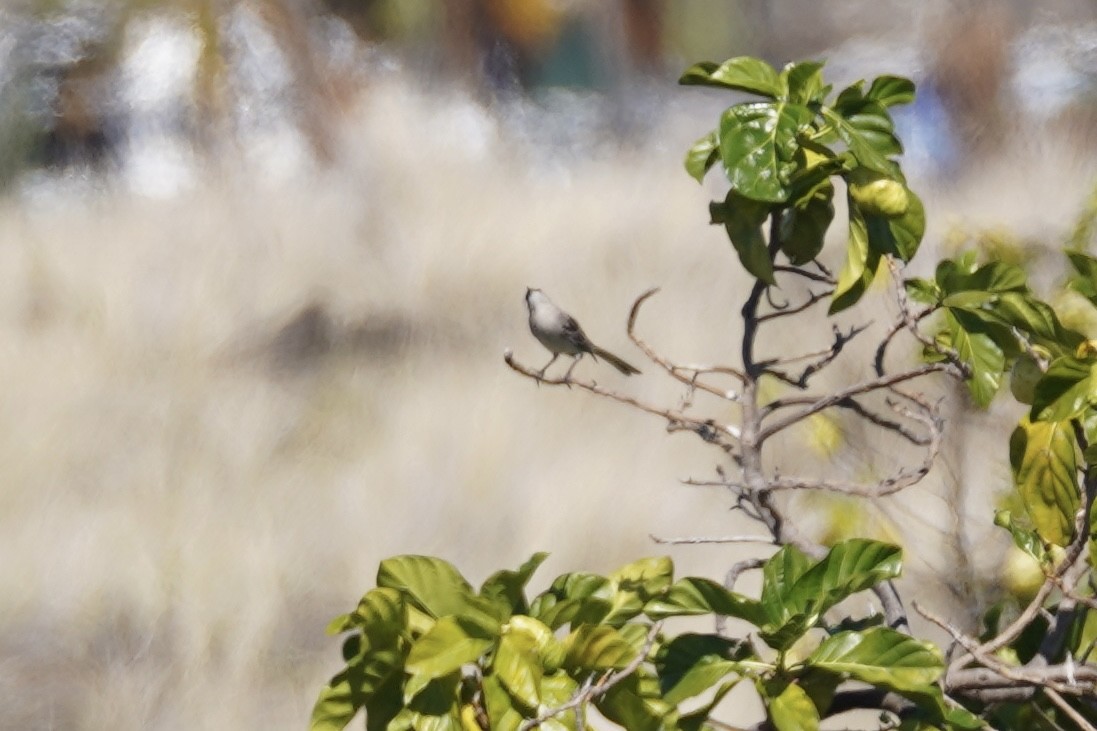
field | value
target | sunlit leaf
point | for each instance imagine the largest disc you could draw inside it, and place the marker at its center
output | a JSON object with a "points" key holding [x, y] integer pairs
{"points": [[1043, 457], [793, 710], [702, 155], [882, 657], [743, 73]]}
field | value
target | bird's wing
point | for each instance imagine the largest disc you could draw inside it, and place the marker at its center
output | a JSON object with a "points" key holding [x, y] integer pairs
{"points": [[576, 334]]}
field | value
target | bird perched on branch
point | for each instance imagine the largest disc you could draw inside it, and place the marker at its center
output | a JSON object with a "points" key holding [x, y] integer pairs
{"points": [[560, 333]]}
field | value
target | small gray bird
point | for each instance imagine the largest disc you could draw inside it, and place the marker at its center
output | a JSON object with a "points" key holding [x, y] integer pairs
{"points": [[560, 333]]}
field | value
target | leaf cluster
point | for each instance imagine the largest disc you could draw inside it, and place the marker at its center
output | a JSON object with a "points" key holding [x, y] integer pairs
{"points": [[781, 155], [424, 650]]}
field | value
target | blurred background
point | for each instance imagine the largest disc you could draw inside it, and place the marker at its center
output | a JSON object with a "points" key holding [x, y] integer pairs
{"points": [[259, 261]]}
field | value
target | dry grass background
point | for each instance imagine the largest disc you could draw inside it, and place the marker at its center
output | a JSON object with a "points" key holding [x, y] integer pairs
{"points": [[222, 410]]}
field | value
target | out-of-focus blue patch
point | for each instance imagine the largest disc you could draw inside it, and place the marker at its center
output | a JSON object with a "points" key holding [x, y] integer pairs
{"points": [[931, 147]]}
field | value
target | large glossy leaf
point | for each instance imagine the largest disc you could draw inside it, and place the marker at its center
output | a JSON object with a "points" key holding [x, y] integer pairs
{"points": [[1068, 388], [451, 643], [1045, 472], [803, 227], [597, 647], [849, 567], [690, 664], [979, 351], [796, 594], [880, 656], [743, 73], [757, 146], [702, 155], [956, 276], [793, 710], [743, 219], [693, 596], [508, 587]]}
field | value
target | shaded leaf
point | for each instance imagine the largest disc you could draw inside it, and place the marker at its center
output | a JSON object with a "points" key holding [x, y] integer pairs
{"points": [[803, 227], [981, 354], [1068, 388], [694, 595], [743, 219], [597, 647], [860, 266], [690, 664], [509, 586]]}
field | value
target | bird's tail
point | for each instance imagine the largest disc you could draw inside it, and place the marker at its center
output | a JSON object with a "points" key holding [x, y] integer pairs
{"points": [[614, 361]]}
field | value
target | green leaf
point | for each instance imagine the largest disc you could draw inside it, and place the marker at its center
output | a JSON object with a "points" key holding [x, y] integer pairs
{"points": [[793, 710], [518, 666], [795, 594], [804, 82], [757, 146], [381, 615], [1086, 281], [890, 91], [499, 706], [363, 680], [434, 708], [635, 584], [867, 130], [907, 230], [803, 227], [635, 704], [881, 657], [860, 266], [437, 588], [849, 567], [597, 647], [997, 277], [452, 642], [743, 219], [743, 73], [702, 155], [690, 664], [923, 290], [696, 720], [1025, 539], [1045, 469], [694, 595], [576, 597], [509, 586], [982, 355], [1068, 388]]}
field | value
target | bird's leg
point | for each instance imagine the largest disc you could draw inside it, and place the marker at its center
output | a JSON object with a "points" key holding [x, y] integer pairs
{"points": [[541, 373], [567, 376]]}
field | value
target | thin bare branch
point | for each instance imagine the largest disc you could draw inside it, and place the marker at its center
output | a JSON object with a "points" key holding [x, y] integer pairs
{"points": [[813, 298], [687, 374], [768, 540], [708, 429], [1066, 708], [825, 402], [826, 277]]}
